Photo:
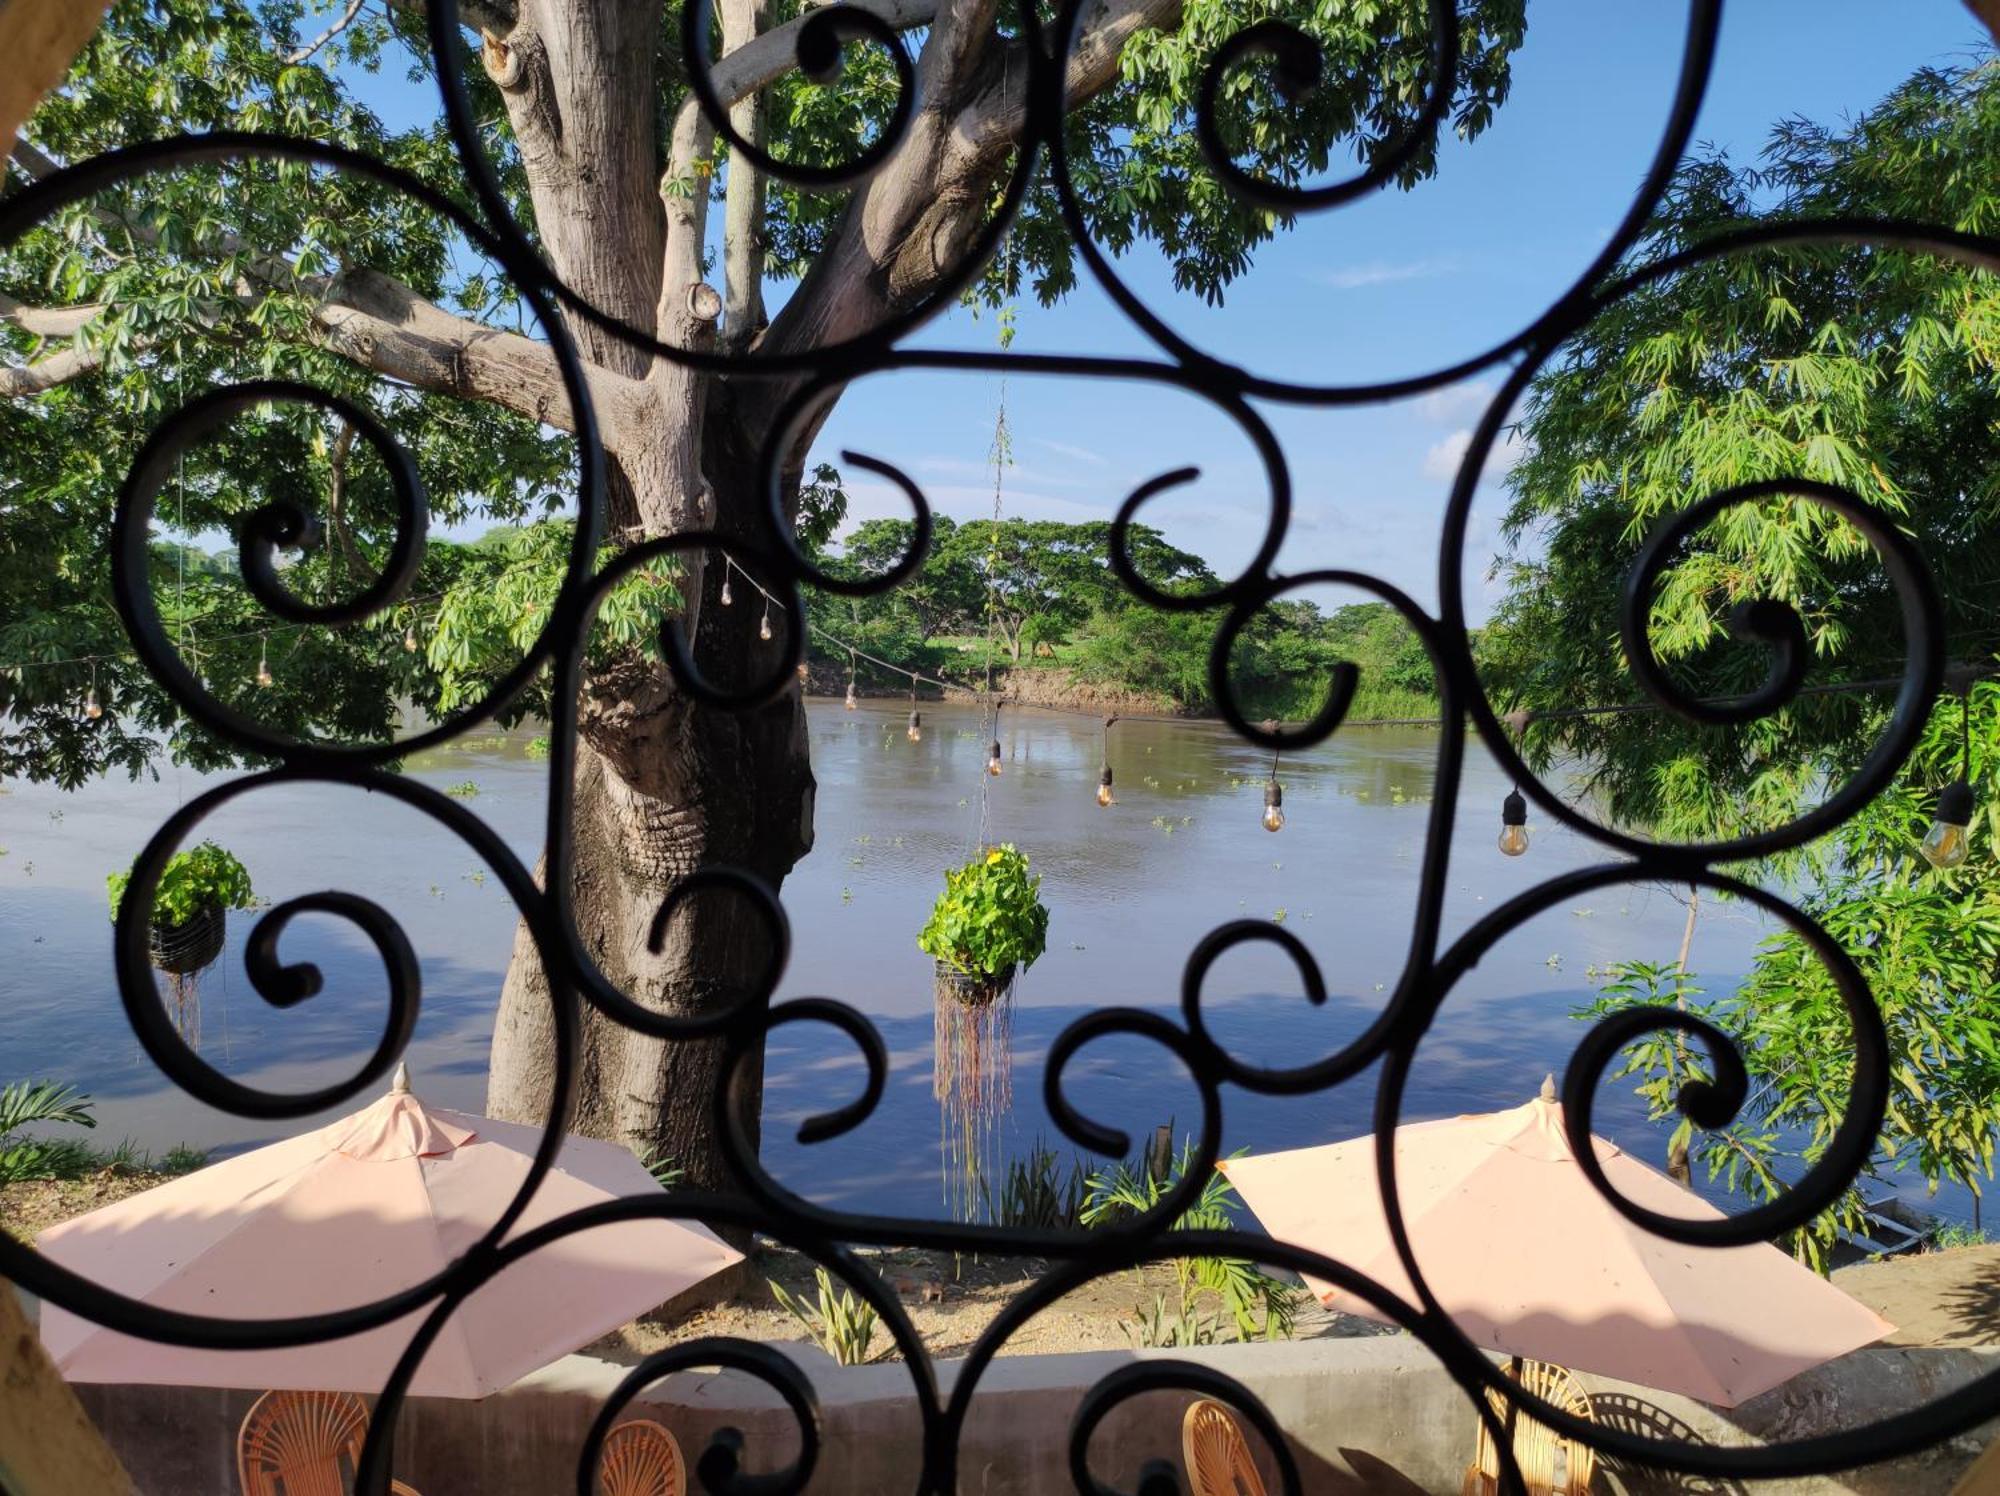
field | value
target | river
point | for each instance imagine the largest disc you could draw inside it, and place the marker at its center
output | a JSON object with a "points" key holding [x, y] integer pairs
{"points": [[1130, 890]]}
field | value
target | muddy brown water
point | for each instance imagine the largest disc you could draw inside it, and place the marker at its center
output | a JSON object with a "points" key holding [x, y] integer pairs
{"points": [[1130, 889]]}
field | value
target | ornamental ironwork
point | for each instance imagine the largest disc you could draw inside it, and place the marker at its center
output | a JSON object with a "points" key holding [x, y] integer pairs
{"points": [[1431, 968]]}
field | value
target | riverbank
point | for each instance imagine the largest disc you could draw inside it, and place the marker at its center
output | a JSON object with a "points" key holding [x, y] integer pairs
{"points": [[1947, 1298], [1053, 686]]}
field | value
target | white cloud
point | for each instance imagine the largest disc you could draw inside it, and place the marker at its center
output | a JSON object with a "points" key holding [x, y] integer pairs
{"points": [[1075, 453], [1442, 461], [1457, 402], [1383, 273]]}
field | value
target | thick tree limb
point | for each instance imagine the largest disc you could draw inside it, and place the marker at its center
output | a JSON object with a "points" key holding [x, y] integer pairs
{"points": [[1989, 12], [994, 122], [48, 322], [743, 209], [910, 223], [379, 323], [39, 39], [49, 373], [762, 62], [492, 16]]}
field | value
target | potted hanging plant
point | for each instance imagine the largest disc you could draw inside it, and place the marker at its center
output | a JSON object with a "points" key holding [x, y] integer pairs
{"points": [[987, 925], [988, 922], [196, 888]]}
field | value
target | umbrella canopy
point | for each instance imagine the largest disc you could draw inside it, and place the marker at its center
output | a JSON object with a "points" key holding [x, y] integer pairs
{"points": [[352, 1213], [1530, 1260]]}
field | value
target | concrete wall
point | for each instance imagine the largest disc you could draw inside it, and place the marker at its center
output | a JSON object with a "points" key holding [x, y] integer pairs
{"points": [[1365, 1415]]}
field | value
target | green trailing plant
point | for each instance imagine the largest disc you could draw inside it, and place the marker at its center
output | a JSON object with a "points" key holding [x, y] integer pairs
{"points": [[990, 917], [1258, 1305], [42, 1102], [202, 877], [1037, 1194], [840, 1322], [988, 922]]}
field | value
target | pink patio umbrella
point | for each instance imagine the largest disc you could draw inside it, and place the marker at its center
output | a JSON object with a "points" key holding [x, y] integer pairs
{"points": [[1530, 1260], [353, 1212]]}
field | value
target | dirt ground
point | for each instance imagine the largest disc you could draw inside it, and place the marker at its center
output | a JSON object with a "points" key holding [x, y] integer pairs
{"points": [[1949, 1298], [1933, 1298], [949, 1304], [26, 1209]]}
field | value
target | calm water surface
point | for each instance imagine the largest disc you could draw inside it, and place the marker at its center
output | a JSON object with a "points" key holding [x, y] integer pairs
{"points": [[1130, 890]]}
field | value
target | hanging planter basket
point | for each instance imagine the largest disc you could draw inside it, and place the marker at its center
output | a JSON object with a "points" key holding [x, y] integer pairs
{"points": [[190, 945], [971, 988]]}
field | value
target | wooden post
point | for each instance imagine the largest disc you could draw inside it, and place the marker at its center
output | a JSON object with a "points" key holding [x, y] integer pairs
{"points": [[39, 39], [1160, 1155], [48, 1445]]}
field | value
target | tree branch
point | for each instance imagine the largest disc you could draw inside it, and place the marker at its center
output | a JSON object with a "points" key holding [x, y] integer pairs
{"points": [[379, 323], [495, 16], [307, 52], [762, 62], [49, 373], [48, 322], [39, 39], [995, 120], [743, 209], [911, 222], [1989, 12]]}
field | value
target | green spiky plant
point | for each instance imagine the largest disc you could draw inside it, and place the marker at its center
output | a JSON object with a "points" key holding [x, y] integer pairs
{"points": [[1259, 1305], [29, 1103], [840, 1321]]}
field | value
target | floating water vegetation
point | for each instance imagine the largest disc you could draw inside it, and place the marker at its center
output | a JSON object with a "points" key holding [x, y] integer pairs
{"points": [[465, 789]]}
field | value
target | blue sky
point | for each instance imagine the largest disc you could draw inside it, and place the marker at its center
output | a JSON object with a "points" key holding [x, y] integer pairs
{"points": [[1391, 285]]}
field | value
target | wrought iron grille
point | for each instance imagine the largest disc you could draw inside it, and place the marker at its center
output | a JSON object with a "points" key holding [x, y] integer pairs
{"points": [[1431, 967]]}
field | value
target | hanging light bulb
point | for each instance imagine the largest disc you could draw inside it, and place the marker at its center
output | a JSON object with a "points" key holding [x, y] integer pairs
{"points": [[850, 696], [263, 662], [1513, 824], [1274, 805], [764, 627], [92, 707], [727, 568], [916, 727], [802, 672], [1104, 786], [1949, 841], [993, 765]]}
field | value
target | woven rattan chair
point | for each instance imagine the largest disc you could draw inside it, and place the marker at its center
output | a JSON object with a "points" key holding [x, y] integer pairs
{"points": [[641, 1459], [1550, 1464], [303, 1444], [1218, 1461]]}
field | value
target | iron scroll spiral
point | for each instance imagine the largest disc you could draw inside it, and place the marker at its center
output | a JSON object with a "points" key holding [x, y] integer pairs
{"points": [[1430, 969]]}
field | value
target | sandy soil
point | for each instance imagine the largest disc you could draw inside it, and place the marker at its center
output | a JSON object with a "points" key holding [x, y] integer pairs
{"points": [[1933, 1298], [29, 1208], [949, 1304], [1949, 1298]]}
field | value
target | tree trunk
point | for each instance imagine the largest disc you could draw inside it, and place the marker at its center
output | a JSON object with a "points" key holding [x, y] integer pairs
{"points": [[687, 788]]}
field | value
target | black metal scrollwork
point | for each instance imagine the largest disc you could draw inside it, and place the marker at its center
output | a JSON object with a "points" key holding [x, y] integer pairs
{"points": [[1429, 974]]}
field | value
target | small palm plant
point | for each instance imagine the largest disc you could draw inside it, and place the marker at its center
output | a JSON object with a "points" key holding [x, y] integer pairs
{"points": [[1258, 1305], [29, 1103], [840, 1322]]}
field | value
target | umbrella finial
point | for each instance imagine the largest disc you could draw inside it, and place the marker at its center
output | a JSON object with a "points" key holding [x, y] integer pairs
{"points": [[399, 1083], [1549, 1088]]}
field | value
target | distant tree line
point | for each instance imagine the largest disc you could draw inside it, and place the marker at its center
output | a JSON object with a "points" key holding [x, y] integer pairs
{"points": [[1040, 594]]}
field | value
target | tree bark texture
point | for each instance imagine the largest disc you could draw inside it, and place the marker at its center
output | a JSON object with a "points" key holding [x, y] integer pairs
{"points": [[620, 193]]}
